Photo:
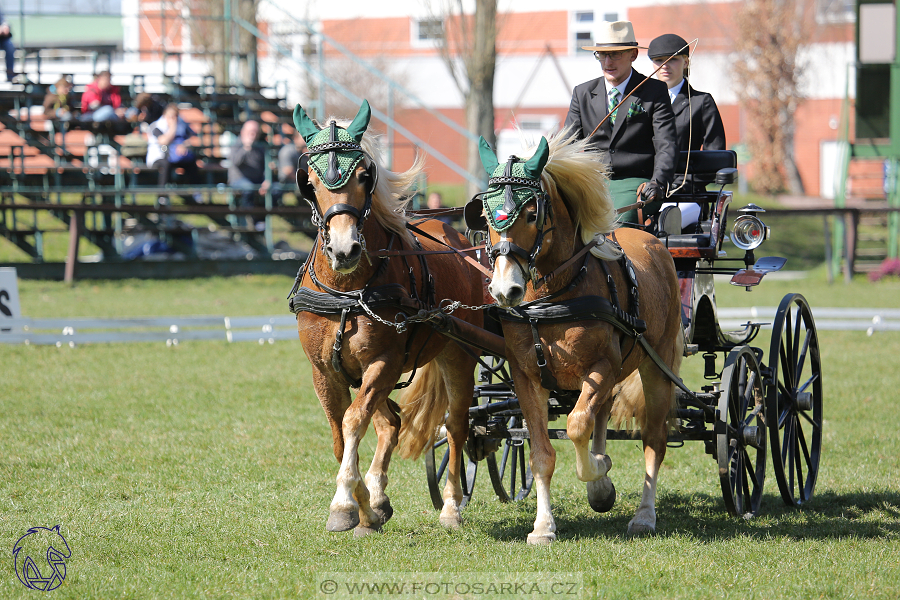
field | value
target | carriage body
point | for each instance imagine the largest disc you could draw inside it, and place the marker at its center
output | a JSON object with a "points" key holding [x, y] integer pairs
{"points": [[752, 401]]}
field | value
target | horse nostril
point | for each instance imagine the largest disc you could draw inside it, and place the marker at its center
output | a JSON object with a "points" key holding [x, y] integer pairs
{"points": [[355, 250]]}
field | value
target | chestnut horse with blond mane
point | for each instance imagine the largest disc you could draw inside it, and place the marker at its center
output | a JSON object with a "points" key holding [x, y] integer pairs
{"points": [[573, 330], [360, 275]]}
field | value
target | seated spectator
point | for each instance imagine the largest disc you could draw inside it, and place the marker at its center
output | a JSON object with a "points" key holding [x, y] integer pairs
{"points": [[247, 171], [60, 101], [8, 47], [436, 200], [169, 149], [101, 100], [147, 109], [290, 158]]}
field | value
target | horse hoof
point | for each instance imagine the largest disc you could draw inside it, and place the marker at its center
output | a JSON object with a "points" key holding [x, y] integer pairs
{"points": [[450, 518], [342, 521], [636, 529], [363, 531], [541, 539], [384, 511], [601, 494]]}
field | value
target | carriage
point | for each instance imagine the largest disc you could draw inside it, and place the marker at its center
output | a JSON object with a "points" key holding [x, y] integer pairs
{"points": [[734, 415], [390, 295]]}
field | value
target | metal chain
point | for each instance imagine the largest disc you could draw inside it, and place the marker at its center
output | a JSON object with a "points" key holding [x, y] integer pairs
{"points": [[423, 316]]}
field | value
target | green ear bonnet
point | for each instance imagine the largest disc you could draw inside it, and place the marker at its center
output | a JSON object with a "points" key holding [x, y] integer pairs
{"points": [[511, 185], [334, 152]]}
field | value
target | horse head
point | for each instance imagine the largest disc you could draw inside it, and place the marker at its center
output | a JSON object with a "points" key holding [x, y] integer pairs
{"points": [[338, 185], [40, 558], [514, 191]]}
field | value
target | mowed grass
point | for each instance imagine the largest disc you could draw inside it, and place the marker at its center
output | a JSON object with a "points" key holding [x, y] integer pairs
{"points": [[205, 470]]}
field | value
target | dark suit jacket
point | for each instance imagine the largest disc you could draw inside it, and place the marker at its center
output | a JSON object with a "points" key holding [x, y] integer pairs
{"points": [[641, 145], [702, 122]]}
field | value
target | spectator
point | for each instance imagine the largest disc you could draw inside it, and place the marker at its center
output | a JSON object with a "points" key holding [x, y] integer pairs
{"points": [[147, 109], [8, 47], [291, 157], [169, 148], [247, 171], [435, 201], [101, 100], [60, 103]]}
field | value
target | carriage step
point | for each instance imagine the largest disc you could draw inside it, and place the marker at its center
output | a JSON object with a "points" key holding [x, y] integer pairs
{"points": [[691, 349]]}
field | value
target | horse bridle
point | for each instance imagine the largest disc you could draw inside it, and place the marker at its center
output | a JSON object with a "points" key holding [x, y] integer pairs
{"points": [[333, 175], [506, 248]]}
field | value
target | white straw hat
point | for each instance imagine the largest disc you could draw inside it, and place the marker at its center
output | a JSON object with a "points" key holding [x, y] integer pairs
{"points": [[614, 35]]}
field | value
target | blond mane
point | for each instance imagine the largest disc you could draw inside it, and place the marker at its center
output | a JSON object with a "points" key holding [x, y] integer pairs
{"points": [[577, 173], [394, 190]]}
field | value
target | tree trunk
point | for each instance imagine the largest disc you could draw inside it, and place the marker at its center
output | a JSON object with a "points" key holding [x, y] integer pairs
{"points": [[246, 9], [480, 96]]}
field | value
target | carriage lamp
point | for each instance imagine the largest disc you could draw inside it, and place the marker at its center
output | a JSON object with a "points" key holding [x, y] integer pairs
{"points": [[749, 231]]}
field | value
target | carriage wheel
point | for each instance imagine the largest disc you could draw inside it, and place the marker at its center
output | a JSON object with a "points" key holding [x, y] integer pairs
{"points": [[436, 471], [741, 433], [794, 400], [511, 476]]}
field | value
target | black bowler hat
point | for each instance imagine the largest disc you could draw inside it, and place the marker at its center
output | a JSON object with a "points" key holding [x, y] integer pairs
{"points": [[667, 45]]}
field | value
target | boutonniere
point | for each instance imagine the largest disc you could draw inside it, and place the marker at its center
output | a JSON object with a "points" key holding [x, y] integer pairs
{"points": [[635, 109]]}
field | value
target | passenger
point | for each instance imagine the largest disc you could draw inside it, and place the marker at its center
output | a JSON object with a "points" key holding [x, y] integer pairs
{"points": [[697, 120], [639, 138]]}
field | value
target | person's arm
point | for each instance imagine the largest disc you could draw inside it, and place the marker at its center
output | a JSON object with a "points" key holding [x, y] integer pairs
{"points": [[665, 140], [713, 128], [90, 100], [573, 118]]}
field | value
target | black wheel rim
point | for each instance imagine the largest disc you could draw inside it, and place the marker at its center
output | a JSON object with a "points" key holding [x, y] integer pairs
{"points": [[794, 400], [436, 463], [740, 433], [510, 467]]}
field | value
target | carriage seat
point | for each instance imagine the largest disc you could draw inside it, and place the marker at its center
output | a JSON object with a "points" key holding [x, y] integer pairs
{"points": [[709, 166]]}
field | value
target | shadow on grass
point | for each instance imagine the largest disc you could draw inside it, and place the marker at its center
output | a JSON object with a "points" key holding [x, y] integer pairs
{"points": [[830, 515]]}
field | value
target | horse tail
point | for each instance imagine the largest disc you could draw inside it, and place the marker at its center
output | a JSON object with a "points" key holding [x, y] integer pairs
{"points": [[423, 405], [629, 409]]}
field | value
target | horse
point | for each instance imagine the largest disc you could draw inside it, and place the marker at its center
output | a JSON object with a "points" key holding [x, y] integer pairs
{"points": [[568, 332], [361, 276]]}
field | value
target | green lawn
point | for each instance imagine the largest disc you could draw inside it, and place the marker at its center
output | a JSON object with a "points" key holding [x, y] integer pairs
{"points": [[205, 470]]}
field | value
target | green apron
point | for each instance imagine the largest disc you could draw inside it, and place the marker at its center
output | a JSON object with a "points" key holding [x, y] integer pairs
{"points": [[624, 192]]}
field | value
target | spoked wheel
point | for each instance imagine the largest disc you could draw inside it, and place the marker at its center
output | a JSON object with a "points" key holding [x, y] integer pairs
{"points": [[794, 400], [436, 463], [510, 467], [741, 433]]}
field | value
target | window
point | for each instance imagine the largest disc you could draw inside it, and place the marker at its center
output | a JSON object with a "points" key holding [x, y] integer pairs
{"points": [[835, 11], [583, 38], [611, 17], [429, 30], [584, 17]]}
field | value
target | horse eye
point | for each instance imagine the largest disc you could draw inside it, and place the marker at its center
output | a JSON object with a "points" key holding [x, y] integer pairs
{"points": [[531, 217]]}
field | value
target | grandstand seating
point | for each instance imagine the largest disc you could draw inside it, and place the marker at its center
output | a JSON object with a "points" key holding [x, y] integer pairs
{"points": [[41, 159]]}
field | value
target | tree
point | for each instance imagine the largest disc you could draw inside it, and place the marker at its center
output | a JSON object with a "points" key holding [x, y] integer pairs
{"points": [[468, 47], [770, 35], [214, 36]]}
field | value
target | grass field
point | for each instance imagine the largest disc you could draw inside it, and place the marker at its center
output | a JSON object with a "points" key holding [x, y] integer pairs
{"points": [[205, 471]]}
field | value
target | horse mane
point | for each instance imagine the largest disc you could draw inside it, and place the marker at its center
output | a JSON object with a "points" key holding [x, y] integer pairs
{"points": [[394, 190], [576, 172]]}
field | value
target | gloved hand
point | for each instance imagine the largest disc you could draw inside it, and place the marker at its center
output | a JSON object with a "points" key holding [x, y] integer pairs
{"points": [[649, 191]]}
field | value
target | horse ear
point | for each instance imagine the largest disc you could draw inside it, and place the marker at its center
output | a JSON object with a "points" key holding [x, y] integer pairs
{"points": [[488, 158], [358, 127], [304, 124], [535, 165]]}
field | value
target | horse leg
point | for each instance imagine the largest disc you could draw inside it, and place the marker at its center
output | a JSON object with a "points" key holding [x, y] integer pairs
{"points": [[595, 391], [658, 395], [350, 507], [458, 376], [387, 425], [601, 492]]}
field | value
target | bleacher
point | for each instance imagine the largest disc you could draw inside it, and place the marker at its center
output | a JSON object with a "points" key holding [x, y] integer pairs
{"points": [[74, 169]]}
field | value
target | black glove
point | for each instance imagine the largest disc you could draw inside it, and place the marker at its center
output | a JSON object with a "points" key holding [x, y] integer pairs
{"points": [[650, 192]]}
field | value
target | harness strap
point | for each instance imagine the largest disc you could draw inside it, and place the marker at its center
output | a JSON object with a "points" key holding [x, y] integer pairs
{"points": [[336, 362], [487, 272], [549, 276], [547, 379]]}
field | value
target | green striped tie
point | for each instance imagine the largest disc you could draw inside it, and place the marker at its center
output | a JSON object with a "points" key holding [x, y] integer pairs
{"points": [[613, 101]]}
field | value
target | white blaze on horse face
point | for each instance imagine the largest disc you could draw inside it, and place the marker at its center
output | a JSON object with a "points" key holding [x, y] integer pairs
{"points": [[508, 283], [344, 249]]}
